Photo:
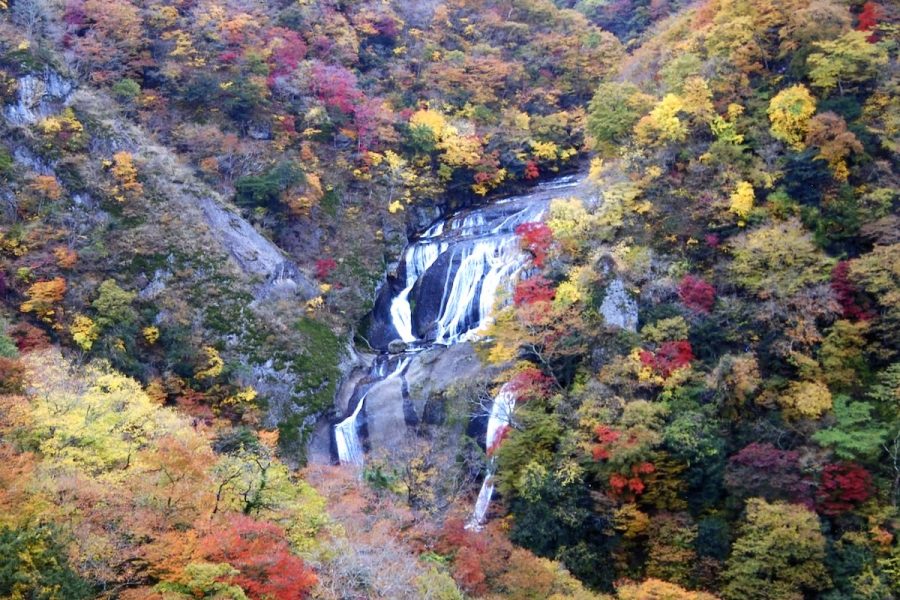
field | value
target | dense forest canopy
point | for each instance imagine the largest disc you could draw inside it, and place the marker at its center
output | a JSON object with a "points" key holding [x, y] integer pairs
{"points": [[201, 200]]}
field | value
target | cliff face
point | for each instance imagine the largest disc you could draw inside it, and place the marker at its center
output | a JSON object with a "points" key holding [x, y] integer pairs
{"points": [[38, 96]]}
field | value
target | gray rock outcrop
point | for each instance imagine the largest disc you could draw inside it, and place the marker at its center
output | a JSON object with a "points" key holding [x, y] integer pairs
{"points": [[38, 95]]}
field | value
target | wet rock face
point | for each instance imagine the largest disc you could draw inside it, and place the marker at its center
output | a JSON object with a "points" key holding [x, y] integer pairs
{"points": [[381, 330], [397, 346], [421, 217], [428, 293], [38, 95], [416, 396]]}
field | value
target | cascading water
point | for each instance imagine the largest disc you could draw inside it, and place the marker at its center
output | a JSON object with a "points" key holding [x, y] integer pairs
{"points": [[500, 418], [346, 433], [449, 278], [448, 283], [346, 436], [418, 259]]}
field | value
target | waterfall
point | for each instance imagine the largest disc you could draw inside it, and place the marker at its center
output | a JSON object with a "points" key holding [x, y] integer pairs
{"points": [[346, 436], [417, 260], [481, 252], [445, 291], [501, 416], [483, 266], [346, 433]]}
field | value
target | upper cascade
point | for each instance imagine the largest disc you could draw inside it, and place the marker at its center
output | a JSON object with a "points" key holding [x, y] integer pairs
{"points": [[449, 277]]}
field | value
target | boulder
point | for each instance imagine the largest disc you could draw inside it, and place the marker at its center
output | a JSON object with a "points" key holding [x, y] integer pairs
{"points": [[396, 346]]}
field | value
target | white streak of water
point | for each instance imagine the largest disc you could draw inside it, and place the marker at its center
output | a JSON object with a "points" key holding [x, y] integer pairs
{"points": [[346, 437], [346, 433], [417, 260], [500, 418]]}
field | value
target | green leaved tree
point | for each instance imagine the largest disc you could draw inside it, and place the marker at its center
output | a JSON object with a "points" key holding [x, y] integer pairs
{"points": [[779, 554], [854, 435]]}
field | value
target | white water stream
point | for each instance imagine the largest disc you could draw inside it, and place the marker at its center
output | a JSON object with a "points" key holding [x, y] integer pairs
{"points": [[346, 433], [500, 418]]}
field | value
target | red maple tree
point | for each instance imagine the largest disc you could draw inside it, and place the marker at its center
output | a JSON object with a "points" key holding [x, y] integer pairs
{"points": [[630, 484], [534, 289], [696, 294], [844, 486], [259, 551], [606, 437], [670, 357], [324, 267], [287, 50], [336, 87], [530, 384], [870, 16], [847, 294], [536, 237]]}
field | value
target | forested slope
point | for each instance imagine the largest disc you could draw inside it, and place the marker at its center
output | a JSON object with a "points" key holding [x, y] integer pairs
{"points": [[200, 199]]}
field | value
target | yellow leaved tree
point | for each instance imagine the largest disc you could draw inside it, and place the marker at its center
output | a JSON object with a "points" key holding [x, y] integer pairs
{"points": [[212, 365], [789, 112], [662, 125], [84, 331], [44, 298], [806, 399], [741, 201]]}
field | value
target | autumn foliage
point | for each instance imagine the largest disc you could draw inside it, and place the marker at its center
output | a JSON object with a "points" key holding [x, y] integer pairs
{"points": [[605, 438], [534, 289], [478, 557], [267, 569], [872, 13], [669, 357], [27, 337], [760, 469], [324, 268], [844, 487], [536, 238], [848, 295], [44, 298], [696, 294], [706, 323], [486, 563], [530, 384], [631, 483], [12, 375]]}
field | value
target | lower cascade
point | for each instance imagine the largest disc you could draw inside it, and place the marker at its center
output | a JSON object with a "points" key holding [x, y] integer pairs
{"points": [[500, 418], [444, 292], [346, 433]]}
